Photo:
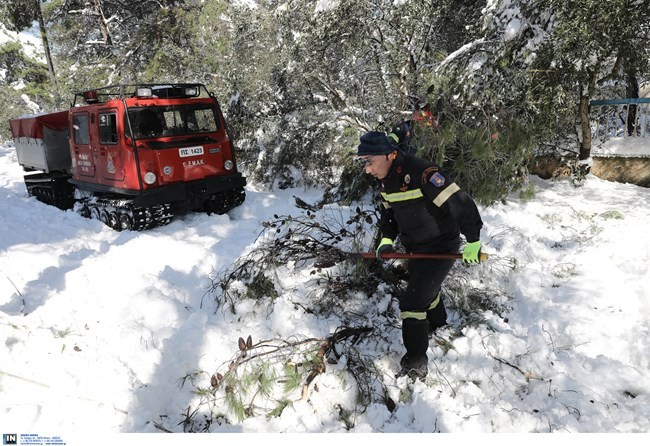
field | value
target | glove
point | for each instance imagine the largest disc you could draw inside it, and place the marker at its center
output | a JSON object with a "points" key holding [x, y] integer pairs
{"points": [[472, 253], [385, 246]]}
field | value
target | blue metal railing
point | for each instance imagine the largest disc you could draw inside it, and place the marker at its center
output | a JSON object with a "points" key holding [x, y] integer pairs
{"points": [[620, 118]]}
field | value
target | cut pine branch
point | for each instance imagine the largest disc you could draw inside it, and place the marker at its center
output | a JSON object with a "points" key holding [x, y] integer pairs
{"points": [[326, 346]]}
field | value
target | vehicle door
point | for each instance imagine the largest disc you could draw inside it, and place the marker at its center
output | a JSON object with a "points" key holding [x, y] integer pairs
{"points": [[83, 163], [110, 161]]}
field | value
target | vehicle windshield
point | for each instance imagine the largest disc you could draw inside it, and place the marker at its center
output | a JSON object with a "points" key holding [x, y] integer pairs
{"points": [[153, 122]]}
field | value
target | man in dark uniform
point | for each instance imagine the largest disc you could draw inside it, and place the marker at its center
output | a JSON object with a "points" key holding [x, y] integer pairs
{"points": [[429, 212]]}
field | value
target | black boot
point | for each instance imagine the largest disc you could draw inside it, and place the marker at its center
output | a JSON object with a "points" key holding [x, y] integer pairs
{"points": [[414, 368], [416, 342], [437, 317]]}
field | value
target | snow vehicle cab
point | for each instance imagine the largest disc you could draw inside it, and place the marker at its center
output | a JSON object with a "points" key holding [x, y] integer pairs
{"points": [[132, 156]]}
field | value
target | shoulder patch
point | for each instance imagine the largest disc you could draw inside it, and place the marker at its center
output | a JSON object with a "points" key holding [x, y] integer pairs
{"points": [[427, 173], [437, 180]]}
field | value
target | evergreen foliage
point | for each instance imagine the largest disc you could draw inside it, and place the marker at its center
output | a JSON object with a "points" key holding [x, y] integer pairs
{"points": [[485, 150], [301, 80], [17, 15], [31, 75]]}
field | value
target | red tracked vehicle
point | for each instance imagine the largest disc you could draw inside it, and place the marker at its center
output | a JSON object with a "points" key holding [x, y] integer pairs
{"points": [[132, 156]]}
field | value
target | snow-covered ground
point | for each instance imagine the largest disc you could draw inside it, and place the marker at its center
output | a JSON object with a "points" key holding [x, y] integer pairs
{"points": [[623, 147], [100, 327]]}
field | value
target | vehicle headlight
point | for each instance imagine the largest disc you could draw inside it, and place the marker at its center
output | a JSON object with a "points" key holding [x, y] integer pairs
{"points": [[149, 177], [228, 165]]}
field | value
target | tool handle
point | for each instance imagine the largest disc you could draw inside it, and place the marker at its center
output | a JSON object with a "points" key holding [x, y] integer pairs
{"points": [[403, 255], [326, 263]]}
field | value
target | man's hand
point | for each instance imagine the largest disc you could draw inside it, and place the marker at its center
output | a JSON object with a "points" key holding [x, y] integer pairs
{"points": [[385, 246], [472, 253]]}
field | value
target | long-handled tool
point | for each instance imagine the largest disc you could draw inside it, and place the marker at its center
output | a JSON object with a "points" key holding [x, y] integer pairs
{"points": [[412, 255], [338, 256]]}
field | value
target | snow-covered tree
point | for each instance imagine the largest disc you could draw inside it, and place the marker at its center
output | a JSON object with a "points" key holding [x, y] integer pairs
{"points": [[20, 15], [300, 80], [551, 57], [310, 76]]}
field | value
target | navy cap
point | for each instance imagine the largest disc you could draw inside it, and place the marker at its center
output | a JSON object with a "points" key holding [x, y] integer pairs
{"points": [[374, 143]]}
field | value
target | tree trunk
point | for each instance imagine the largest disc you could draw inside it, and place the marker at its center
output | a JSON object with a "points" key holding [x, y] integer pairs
{"points": [[46, 48], [632, 91], [585, 128]]}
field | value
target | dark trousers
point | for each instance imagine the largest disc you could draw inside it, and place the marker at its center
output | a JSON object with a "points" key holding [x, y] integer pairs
{"points": [[425, 280], [421, 306]]}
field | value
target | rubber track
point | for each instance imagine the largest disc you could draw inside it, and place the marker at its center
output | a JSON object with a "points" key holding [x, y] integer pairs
{"points": [[120, 214]]}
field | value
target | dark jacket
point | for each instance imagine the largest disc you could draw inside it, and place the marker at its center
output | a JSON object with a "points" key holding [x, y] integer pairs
{"points": [[425, 207]]}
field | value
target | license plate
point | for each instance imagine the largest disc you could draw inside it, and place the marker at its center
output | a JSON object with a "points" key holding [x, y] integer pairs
{"points": [[190, 151]]}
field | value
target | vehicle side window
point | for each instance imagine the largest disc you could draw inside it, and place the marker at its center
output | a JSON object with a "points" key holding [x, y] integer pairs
{"points": [[108, 128], [80, 126]]}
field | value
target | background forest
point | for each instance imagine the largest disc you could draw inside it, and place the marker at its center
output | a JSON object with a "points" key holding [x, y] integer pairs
{"points": [[299, 80]]}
